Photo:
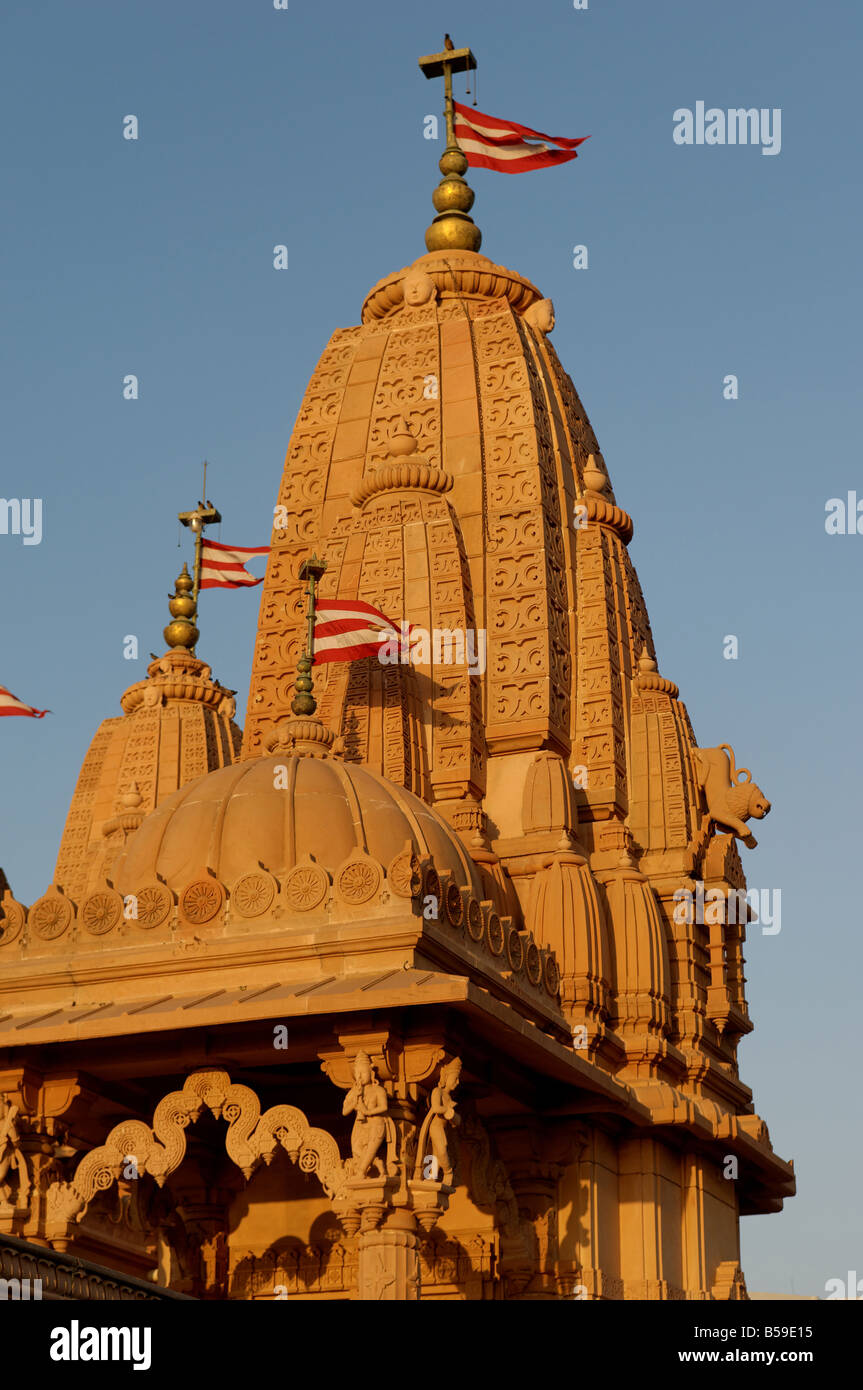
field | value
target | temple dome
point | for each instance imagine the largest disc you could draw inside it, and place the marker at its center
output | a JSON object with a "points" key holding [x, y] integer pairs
{"points": [[279, 811]]}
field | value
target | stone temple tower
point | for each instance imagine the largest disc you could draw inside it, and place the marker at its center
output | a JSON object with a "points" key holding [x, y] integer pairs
{"points": [[435, 992]]}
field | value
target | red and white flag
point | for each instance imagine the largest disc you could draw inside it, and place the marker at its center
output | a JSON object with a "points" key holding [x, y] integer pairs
{"points": [[489, 143], [347, 629], [224, 566], [9, 704]]}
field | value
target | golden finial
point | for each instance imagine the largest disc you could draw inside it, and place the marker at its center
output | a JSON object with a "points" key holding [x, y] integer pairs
{"points": [[181, 631], [452, 229]]}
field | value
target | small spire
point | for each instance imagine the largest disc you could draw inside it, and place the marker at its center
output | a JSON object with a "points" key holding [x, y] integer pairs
{"points": [[452, 229], [181, 631]]}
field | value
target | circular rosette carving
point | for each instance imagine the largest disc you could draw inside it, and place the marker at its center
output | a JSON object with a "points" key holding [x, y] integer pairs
{"points": [[514, 950], [403, 874], [475, 925], [51, 916], [101, 911], [152, 905], [306, 886], [359, 880], [432, 886], [496, 935], [253, 894], [453, 905], [551, 976], [533, 963], [201, 899], [12, 919]]}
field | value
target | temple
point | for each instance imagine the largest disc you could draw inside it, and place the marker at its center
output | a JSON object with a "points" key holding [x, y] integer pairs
{"points": [[403, 992]]}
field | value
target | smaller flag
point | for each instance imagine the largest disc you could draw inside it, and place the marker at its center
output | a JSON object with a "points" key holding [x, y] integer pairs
{"points": [[9, 704], [490, 143], [224, 566], [347, 629]]}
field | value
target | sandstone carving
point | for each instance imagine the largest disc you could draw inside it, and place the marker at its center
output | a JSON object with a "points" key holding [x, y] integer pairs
{"points": [[732, 797], [368, 1100]]}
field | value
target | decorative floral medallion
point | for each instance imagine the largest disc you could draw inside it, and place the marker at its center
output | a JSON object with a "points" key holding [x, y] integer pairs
{"points": [[551, 976], [403, 874], [533, 963], [474, 920], [514, 950], [153, 905], [431, 886], [253, 894], [51, 916], [12, 917], [201, 900], [496, 938], [306, 886], [453, 905], [101, 911], [358, 880]]}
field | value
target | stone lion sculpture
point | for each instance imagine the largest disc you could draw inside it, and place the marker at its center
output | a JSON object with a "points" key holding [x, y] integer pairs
{"points": [[732, 796]]}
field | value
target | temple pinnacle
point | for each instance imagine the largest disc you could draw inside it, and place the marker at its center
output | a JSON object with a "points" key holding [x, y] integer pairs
{"points": [[452, 229]]}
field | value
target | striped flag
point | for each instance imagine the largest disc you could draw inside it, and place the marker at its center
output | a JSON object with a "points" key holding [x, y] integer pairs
{"points": [[224, 566], [9, 704], [347, 629], [489, 143]]}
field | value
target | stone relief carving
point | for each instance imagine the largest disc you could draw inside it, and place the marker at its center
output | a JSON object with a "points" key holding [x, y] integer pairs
{"points": [[441, 1114], [12, 1160], [368, 1099]]}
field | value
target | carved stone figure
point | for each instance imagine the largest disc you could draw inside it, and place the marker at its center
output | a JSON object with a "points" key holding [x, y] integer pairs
{"points": [[369, 1100], [419, 289], [540, 315], [434, 1129], [11, 1157], [732, 796]]}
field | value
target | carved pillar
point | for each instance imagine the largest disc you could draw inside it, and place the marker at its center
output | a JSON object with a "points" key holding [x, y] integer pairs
{"points": [[388, 1259]]}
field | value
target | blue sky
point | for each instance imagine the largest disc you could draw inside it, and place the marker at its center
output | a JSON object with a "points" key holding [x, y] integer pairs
{"points": [[304, 127]]}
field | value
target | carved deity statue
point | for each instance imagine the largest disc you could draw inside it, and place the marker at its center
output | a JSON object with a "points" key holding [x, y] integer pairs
{"points": [[11, 1156], [418, 289], [434, 1130], [370, 1101]]}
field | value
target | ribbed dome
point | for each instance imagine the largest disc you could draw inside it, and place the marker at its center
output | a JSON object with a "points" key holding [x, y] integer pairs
{"points": [[278, 811]]}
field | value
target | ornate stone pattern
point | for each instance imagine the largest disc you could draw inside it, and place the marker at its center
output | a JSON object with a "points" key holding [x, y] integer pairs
{"points": [[253, 894], [359, 879], [320, 438], [252, 1138], [101, 911], [12, 919], [661, 764], [326, 1268], [177, 725], [51, 916], [403, 874], [306, 886], [526, 685], [201, 900], [155, 903]]}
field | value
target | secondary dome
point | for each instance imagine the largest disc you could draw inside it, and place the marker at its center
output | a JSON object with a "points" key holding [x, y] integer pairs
{"points": [[280, 811]]}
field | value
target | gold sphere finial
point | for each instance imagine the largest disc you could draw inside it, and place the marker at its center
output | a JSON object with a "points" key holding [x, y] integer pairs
{"points": [[452, 229], [181, 631]]}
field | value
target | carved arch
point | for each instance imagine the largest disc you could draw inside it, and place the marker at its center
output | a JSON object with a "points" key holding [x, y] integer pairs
{"points": [[159, 1150]]}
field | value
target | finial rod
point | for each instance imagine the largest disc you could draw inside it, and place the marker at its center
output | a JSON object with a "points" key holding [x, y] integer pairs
{"points": [[452, 229], [304, 702]]}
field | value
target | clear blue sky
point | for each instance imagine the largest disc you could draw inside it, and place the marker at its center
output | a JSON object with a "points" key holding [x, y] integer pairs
{"points": [[304, 127]]}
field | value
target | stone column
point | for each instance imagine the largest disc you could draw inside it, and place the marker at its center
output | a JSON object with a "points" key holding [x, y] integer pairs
{"points": [[388, 1259]]}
